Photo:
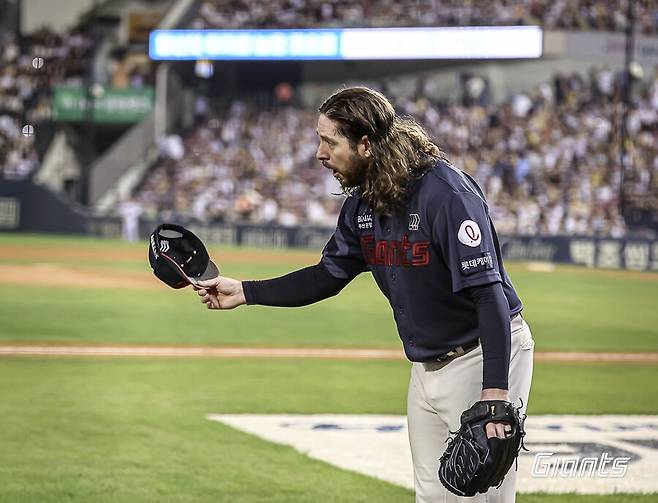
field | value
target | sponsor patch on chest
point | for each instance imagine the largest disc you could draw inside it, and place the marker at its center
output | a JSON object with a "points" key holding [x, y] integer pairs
{"points": [[476, 263], [364, 221]]}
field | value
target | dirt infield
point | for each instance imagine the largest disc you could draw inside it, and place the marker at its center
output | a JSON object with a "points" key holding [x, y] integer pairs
{"points": [[99, 254], [49, 274], [268, 352], [65, 267]]}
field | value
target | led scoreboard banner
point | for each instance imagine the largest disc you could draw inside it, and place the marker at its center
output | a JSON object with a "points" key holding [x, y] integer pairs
{"points": [[487, 42]]}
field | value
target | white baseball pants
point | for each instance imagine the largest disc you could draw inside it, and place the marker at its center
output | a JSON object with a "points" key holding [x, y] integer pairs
{"points": [[439, 393]]}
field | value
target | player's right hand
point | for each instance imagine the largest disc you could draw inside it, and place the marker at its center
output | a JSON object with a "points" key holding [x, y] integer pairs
{"points": [[221, 293]]}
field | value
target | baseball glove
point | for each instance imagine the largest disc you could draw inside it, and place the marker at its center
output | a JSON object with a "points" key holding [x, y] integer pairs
{"points": [[472, 463]]}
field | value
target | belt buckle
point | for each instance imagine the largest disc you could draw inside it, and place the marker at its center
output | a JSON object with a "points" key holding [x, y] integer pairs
{"points": [[458, 351]]}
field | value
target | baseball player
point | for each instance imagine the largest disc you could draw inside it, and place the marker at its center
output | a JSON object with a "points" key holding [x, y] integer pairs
{"points": [[422, 228]]}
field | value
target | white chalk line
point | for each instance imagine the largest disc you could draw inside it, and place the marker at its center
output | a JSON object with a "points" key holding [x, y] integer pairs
{"points": [[272, 352]]}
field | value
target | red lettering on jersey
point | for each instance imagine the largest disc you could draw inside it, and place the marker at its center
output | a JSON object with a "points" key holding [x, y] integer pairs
{"points": [[381, 251], [406, 245], [394, 253], [368, 248], [420, 253]]}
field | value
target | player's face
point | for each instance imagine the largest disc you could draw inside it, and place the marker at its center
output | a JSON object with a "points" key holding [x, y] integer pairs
{"points": [[347, 163]]}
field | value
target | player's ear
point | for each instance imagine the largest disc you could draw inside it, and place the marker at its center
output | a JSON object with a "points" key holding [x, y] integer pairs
{"points": [[363, 147]]}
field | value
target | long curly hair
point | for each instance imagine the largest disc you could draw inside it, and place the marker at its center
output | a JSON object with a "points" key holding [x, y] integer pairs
{"points": [[401, 149]]}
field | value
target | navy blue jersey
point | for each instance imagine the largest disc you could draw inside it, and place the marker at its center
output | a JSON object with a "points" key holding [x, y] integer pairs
{"points": [[424, 257]]}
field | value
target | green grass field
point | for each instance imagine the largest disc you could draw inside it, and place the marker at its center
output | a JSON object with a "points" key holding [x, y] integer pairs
{"points": [[133, 430], [571, 309]]}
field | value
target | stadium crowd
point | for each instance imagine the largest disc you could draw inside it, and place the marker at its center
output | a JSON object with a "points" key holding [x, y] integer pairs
{"points": [[27, 77], [602, 15], [548, 160]]}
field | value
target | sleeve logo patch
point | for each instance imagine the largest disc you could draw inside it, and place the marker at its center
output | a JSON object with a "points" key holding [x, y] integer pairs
{"points": [[475, 263], [469, 233]]}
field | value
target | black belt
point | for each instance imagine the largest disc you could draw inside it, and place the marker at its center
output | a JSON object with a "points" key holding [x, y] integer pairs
{"points": [[459, 351], [465, 348]]}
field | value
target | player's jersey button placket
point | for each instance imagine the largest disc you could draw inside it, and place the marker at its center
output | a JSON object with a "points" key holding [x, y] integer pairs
{"points": [[406, 261]]}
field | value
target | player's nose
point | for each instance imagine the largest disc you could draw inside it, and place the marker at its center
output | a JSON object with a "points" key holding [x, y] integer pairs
{"points": [[321, 154]]}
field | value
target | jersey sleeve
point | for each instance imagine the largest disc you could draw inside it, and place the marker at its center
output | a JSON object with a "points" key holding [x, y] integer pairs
{"points": [[463, 232], [342, 256]]}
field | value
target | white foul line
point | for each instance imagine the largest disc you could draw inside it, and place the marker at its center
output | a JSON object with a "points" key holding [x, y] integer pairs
{"points": [[270, 352]]}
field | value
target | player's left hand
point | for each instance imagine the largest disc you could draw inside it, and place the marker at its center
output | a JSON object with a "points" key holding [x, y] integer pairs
{"points": [[496, 428]]}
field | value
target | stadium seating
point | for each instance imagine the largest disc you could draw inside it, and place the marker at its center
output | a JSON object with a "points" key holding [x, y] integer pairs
{"points": [[603, 15], [548, 160], [27, 77]]}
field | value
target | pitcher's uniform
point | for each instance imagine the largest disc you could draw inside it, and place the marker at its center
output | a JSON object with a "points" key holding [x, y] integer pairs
{"points": [[439, 264]]}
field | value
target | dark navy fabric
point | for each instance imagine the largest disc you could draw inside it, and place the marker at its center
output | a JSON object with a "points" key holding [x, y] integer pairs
{"points": [[299, 288], [424, 257], [495, 333]]}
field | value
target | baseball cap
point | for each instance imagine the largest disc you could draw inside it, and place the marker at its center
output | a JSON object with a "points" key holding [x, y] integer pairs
{"points": [[178, 257]]}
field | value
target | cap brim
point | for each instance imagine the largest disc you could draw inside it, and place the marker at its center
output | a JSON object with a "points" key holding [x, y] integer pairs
{"points": [[212, 271]]}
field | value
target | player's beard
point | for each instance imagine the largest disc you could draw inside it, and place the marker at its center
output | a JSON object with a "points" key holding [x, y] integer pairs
{"points": [[354, 174]]}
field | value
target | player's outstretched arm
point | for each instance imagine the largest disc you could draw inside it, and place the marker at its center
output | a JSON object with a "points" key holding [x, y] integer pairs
{"points": [[221, 293], [295, 289]]}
